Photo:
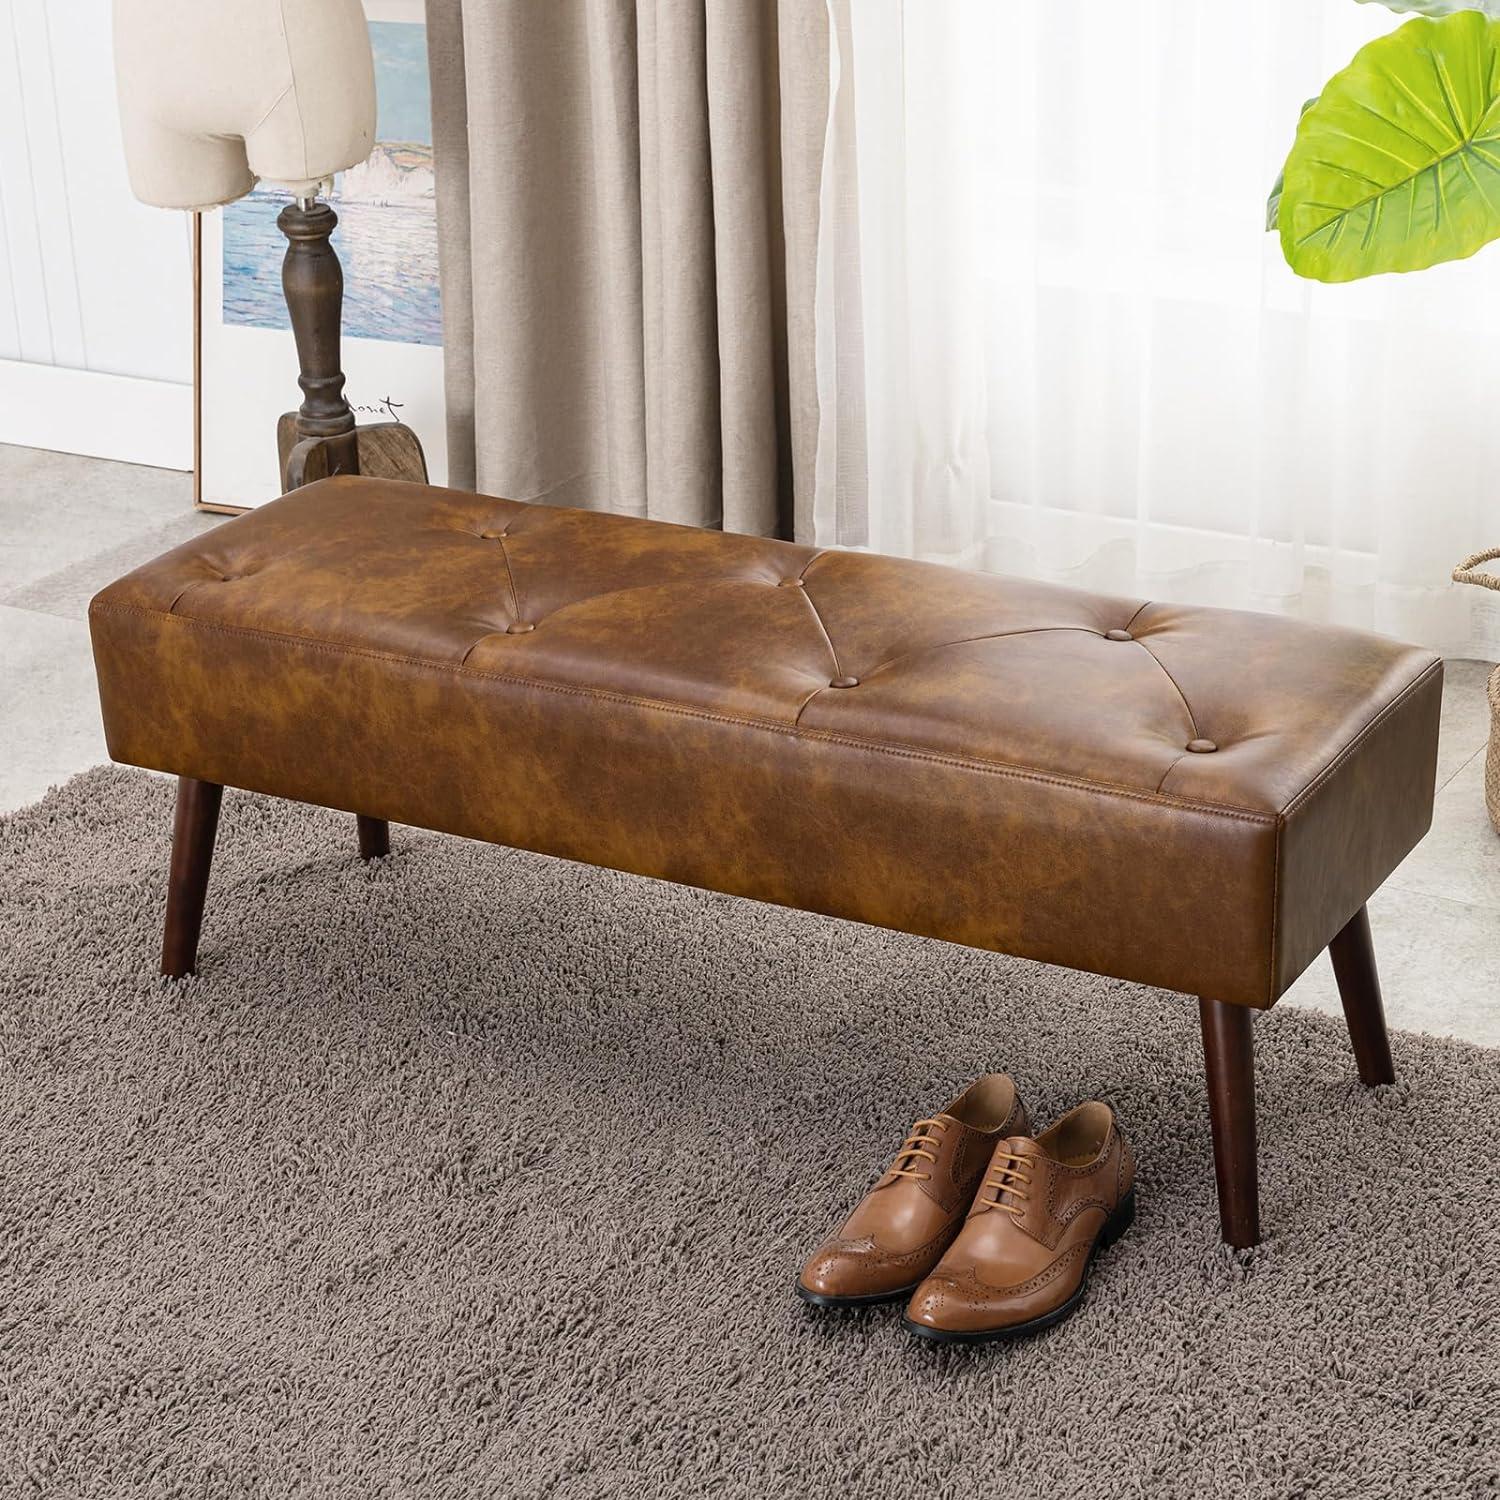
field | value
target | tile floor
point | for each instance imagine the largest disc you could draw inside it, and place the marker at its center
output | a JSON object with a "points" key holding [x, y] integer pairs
{"points": [[68, 525]]}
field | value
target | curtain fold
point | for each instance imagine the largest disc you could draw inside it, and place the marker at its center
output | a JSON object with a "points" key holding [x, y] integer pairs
{"points": [[628, 212], [1081, 358]]}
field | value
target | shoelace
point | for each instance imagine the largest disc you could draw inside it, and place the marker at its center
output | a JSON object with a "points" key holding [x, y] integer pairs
{"points": [[916, 1147], [1007, 1183]]}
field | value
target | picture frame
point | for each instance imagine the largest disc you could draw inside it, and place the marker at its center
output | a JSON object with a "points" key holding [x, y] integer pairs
{"points": [[244, 357]]}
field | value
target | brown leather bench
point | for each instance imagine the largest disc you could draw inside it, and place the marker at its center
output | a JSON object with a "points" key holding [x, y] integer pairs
{"points": [[1191, 798]]}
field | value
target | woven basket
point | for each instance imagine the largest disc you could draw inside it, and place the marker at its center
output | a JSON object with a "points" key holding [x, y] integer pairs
{"points": [[1468, 572]]}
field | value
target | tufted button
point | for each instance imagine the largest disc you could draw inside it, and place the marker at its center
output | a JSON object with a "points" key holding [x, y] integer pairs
{"points": [[521, 627], [844, 682], [1118, 635], [491, 536], [790, 583], [1202, 747]]}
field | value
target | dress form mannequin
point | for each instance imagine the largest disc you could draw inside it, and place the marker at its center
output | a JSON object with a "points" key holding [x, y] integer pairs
{"points": [[218, 94]]}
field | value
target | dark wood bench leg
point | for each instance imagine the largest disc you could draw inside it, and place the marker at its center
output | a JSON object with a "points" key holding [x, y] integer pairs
{"points": [[1229, 1055], [374, 837], [1353, 955], [193, 831]]}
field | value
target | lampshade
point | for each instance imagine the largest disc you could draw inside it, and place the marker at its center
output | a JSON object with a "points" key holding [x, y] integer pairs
{"points": [[216, 94]]}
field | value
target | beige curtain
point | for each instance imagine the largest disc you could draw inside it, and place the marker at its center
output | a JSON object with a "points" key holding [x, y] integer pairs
{"points": [[628, 208]]}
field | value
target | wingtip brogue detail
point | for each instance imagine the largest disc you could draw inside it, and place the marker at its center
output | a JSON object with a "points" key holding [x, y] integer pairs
{"points": [[854, 1273], [898, 1232], [1046, 1207]]}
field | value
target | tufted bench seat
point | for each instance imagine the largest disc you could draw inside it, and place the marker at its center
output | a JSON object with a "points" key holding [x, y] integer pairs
{"points": [[1192, 798]]}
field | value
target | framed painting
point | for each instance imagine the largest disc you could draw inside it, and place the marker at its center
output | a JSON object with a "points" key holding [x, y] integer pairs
{"points": [[386, 239]]}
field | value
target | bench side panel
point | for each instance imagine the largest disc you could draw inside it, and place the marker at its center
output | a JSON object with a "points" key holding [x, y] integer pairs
{"points": [[1354, 824]]}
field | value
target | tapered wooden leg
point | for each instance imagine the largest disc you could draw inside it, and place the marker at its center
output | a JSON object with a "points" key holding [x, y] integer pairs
{"points": [[1353, 955], [374, 837], [1229, 1055], [193, 832]]}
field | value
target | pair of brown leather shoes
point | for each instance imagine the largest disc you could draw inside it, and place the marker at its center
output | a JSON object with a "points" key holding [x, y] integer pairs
{"points": [[988, 1230]]}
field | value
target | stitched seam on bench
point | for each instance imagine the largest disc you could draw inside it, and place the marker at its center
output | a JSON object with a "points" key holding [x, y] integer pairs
{"points": [[801, 708], [1354, 744], [183, 592], [777, 726], [972, 640], [510, 578], [1271, 995], [821, 552], [833, 651], [553, 613], [1192, 717], [1177, 760]]}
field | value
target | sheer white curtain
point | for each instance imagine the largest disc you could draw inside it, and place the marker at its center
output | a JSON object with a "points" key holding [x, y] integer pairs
{"points": [[1054, 338]]}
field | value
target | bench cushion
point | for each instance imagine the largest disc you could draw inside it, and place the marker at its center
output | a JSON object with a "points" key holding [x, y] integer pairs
{"points": [[954, 754]]}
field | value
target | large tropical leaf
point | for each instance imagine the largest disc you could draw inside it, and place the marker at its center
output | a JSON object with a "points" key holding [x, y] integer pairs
{"points": [[1273, 203], [1438, 7], [1397, 164]]}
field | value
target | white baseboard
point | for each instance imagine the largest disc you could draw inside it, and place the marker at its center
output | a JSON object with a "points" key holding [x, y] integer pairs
{"points": [[103, 416]]}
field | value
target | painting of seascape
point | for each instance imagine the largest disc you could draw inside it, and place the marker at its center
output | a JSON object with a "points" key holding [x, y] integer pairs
{"points": [[387, 233]]}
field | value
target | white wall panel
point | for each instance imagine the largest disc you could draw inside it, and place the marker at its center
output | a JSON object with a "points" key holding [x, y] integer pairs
{"points": [[10, 333], [134, 263], [28, 284], [49, 182], [89, 278]]}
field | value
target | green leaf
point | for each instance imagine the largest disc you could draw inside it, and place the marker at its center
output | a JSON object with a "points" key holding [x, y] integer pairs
{"points": [[1438, 7], [1397, 165], [1273, 203]]}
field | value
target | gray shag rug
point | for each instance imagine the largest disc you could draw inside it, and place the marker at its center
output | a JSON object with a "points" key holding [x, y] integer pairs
{"points": [[470, 1173]]}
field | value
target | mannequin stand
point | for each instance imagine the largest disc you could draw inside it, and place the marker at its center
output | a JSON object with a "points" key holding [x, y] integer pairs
{"points": [[320, 438]]}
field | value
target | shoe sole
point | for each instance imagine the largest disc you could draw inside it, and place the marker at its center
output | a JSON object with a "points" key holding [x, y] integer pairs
{"points": [[849, 1304], [1114, 1226]]}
